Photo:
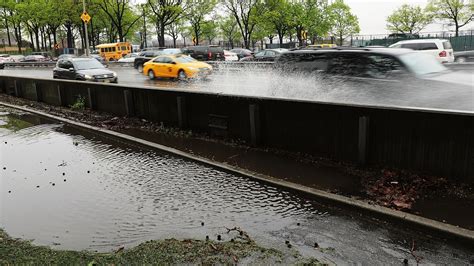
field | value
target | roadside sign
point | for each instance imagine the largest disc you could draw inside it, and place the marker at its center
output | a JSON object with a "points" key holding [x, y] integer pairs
{"points": [[85, 17], [56, 46], [304, 34]]}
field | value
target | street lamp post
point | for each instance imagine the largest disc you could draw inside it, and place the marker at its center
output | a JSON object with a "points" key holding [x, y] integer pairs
{"points": [[86, 35]]}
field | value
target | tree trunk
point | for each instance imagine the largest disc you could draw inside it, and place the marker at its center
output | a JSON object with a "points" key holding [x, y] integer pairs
{"points": [[69, 35], [161, 40], [32, 45], [36, 31], [8, 32], [457, 28], [174, 42]]}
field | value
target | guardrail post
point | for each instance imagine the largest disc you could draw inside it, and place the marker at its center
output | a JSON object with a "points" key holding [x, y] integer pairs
{"points": [[61, 101], [181, 103], [129, 105], [39, 95], [255, 135], [17, 89], [90, 98], [363, 139]]}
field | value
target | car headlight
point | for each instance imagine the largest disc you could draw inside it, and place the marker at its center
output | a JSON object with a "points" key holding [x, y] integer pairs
{"points": [[193, 68], [88, 77], [115, 74]]}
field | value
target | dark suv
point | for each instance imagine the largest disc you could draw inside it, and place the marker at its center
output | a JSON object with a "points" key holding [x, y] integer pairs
{"points": [[369, 65], [144, 57], [205, 53]]}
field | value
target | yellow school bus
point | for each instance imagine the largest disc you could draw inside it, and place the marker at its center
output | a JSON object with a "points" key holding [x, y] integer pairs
{"points": [[114, 51]]}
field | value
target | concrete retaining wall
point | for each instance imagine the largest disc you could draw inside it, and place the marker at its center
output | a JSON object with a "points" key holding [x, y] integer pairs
{"points": [[433, 142]]}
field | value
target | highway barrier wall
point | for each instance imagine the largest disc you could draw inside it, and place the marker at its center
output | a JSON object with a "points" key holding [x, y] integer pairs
{"points": [[429, 141]]}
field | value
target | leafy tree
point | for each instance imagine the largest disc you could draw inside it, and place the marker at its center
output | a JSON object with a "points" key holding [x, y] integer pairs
{"points": [[229, 29], [120, 15], [196, 12], [345, 23], [408, 19], [165, 12], [279, 16], [209, 30], [460, 12], [246, 13], [174, 29]]}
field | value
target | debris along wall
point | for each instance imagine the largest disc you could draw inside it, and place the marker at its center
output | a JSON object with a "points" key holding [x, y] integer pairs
{"points": [[430, 141]]}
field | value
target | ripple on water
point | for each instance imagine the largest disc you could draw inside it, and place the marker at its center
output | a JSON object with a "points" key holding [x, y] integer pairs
{"points": [[117, 194]]}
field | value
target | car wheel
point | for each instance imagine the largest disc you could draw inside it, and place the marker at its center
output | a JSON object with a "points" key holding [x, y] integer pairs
{"points": [[182, 75], [140, 68], [151, 74], [460, 59]]}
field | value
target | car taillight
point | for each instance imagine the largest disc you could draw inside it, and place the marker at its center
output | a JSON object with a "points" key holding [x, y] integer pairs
{"points": [[209, 55], [443, 54]]}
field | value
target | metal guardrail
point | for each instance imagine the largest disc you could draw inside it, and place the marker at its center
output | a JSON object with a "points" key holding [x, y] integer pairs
{"points": [[30, 64]]}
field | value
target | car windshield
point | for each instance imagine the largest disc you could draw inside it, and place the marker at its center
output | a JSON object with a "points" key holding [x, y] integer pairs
{"points": [[185, 59], [88, 64], [422, 64]]}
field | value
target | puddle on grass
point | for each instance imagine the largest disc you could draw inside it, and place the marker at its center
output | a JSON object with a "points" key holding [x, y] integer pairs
{"points": [[73, 189]]}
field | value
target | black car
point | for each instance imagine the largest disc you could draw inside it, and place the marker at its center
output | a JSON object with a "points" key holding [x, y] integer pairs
{"points": [[464, 56], [268, 55], [88, 69], [144, 57], [205, 53], [241, 52]]}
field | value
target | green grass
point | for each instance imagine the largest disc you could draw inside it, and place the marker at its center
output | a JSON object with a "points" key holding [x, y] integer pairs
{"points": [[169, 251]]}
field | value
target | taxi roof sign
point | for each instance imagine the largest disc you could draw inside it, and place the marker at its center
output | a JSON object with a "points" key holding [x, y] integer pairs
{"points": [[85, 17]]}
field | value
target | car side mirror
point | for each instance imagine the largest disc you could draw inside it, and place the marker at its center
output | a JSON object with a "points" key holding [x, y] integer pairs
{"points": [[71, 69]]}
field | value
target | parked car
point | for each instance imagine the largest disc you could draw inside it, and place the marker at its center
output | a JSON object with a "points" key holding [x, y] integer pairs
{"points": [[35, 58], [464, 56], [241, 52], [205, 53], [6, 58], [98, 58], [441, 49], [176, 66], [130, 58], [46, 55], [171, 51], [230, 56], [144, 57], [266, 55], [87, 69], [18, 58], [366, 65], [64, 56]]}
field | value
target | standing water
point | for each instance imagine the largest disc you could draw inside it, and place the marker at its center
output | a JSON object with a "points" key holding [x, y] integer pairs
{"points": [[74, 189]]}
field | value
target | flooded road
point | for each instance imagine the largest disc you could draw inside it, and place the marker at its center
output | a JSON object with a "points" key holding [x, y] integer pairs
{"points": [[73, 189], [257, 82]]}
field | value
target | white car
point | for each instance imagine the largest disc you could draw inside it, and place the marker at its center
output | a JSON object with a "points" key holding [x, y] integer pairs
{"points": [[130, 58], [230, 56], [441, 49]]}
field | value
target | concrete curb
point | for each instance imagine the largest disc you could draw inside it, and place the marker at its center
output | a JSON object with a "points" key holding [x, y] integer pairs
{"points": [[448, 229]]}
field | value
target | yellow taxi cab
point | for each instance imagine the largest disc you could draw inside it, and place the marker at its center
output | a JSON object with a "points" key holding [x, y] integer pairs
{"points": [[176, 66], [323, 45]]}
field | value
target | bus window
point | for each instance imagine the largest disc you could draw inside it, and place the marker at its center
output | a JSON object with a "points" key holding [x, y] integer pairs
{"points": [[123, 48]]}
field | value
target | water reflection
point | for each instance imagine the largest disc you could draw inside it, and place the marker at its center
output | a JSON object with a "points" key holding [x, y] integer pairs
{"points": [[76, 190]]}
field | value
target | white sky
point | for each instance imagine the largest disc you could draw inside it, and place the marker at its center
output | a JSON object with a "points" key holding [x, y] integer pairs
{"points": [[372, 14]]}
